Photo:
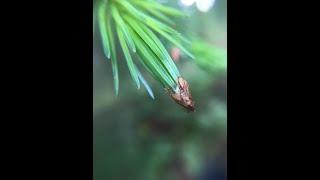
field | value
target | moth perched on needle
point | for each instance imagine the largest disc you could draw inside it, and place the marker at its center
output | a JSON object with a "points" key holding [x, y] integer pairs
{"points": [[182, 94]]}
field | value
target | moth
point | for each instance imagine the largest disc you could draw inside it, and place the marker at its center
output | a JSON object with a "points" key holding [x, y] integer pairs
{"points": [[182, 95]]}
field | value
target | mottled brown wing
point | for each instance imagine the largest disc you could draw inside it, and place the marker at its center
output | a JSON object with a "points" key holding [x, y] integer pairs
{"points": [[186, 89]]}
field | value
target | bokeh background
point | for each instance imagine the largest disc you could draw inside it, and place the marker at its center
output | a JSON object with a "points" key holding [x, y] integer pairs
{"points": [[138, 138]]}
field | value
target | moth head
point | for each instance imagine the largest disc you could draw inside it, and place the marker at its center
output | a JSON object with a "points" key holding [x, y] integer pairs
{"points": [[189, 104]]}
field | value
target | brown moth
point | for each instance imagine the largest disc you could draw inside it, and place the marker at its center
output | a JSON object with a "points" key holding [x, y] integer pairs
{"points": [[183, 95]]}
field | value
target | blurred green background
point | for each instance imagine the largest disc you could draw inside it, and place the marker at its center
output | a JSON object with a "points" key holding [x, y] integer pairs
{"points": [[138, 138]]}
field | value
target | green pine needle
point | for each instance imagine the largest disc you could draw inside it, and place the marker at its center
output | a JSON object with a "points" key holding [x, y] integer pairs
{"points": [[103, 29], [160, 8], [123, 27], [131, 66], [156, 25], [154, 47], [138, 24], [114, 61], [146, 85], [159, 15]]}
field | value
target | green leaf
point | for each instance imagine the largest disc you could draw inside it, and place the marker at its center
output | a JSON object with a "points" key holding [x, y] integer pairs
{"points": [[210, 57], [159, 15], [114, 61], [145, 18], [167, 58], [131, 66], [158, 26], [138, 23], [123, 26], [146, 85], [160, 7], [174, 41], [154, 46], [103, 30], [150, 60]]}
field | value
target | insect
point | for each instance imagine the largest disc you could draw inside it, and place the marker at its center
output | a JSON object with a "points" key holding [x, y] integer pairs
{"points": [[182, 95]]}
